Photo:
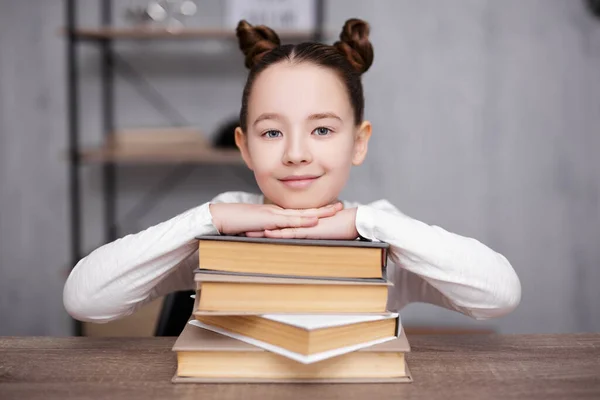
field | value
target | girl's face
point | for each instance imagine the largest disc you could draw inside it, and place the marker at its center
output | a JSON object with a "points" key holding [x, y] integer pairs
{"points": [[301, 139]]}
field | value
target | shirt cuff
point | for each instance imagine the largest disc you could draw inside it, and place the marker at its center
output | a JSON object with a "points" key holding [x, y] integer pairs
{"points": [[365, 223], [202, 221]]}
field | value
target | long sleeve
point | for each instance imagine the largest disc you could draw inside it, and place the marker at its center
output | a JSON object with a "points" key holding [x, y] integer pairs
{"points": [[116, 279], [439, 267]]}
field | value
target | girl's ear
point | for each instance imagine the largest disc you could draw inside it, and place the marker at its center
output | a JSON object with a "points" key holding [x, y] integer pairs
{"points": [[242, 143], [361, 143]]}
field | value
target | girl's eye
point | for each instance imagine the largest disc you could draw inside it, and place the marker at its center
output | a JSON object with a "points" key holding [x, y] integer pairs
{"points": [[322, 131], [272, 134]]}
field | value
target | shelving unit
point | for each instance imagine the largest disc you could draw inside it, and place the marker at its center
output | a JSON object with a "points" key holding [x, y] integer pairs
{"points": [[186, 33], [160, 155], [110, 157]]}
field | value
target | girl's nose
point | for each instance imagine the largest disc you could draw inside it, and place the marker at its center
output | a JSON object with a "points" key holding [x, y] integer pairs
{"points": [[297, 151]]}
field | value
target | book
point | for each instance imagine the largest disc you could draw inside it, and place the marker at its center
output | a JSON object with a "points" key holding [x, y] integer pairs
{"points": [[306, 338], [293, 257], [239, 294], [206, 356]]}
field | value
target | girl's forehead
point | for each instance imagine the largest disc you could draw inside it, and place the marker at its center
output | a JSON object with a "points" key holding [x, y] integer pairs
{"points": [[302, 87]]}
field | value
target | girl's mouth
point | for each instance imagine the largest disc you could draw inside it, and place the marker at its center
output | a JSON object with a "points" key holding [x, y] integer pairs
{"points": [[299, 181]]}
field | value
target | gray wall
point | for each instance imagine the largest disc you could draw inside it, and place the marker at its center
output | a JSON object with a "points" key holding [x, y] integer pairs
{"points": [[486, 122]]}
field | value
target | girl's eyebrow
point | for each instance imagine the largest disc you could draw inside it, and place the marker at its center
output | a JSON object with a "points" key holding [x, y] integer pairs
{"points": [[312, 117], [326, 115], [266, 116]]}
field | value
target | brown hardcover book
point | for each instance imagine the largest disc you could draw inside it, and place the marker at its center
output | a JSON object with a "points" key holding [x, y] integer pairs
{"points": [[293, 257], [205, 356], [240, 294], [320, 336]]}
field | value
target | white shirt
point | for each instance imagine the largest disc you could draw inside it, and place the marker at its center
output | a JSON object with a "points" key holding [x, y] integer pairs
{"points": [[428, 264]]}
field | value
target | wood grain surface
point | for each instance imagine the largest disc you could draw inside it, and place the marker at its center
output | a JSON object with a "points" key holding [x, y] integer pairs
{"points": [[445, 367]]}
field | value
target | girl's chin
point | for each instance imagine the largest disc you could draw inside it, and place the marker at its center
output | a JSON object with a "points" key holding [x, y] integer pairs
{"points": [[297, 201]]}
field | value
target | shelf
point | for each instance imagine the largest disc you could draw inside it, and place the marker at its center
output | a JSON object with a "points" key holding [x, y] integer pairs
{"points": [[161, 155], [186, 33]]}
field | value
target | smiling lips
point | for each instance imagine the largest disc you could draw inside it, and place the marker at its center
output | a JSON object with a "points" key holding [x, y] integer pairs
{"points": [[299, 181]]}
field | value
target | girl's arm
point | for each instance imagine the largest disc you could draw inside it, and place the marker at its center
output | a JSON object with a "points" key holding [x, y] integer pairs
{"points": [[116, 279], [439, 267]]}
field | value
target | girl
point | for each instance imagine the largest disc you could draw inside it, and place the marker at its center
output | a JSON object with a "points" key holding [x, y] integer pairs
{"points": [[301, 130]]}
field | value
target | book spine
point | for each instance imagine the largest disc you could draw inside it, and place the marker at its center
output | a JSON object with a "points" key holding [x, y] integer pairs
{"points": [[384, 263]]}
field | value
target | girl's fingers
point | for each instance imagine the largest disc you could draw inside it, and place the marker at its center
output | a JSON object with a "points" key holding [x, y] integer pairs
{"points": [[291, 222], [276, 221], [322, 212], [288, 233], [256, 234], [294, 222]]}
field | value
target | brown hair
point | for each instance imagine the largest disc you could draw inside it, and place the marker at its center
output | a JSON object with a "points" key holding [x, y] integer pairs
{"points": [[350, 57]]}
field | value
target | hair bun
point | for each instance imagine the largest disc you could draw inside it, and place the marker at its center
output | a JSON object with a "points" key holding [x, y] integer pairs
{"points": [[355, 45], [255, 41]]}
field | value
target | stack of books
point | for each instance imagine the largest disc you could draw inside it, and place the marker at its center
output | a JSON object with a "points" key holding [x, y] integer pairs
{"points": [[288, 310]]}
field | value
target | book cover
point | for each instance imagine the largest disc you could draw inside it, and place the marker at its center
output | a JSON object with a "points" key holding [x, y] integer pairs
{"points": [[328, 256], [299, 242], [304, 321], [194, 338]]}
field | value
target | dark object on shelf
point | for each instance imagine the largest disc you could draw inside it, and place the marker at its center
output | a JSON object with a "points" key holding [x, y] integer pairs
{"points": [[594, 7], [225, 138]]}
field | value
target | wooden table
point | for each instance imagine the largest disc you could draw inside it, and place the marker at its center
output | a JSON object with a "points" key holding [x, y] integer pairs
{"points": [[445, 367]]}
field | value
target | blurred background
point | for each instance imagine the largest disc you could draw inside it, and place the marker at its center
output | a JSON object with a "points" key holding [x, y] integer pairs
{"points": [[486, 120]]}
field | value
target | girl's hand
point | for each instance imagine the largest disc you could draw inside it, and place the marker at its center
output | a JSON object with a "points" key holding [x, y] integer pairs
{"points": [[236, 218], [340, 226]]}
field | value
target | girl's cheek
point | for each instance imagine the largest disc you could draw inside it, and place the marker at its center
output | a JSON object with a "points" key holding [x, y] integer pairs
{"points": [[335, 157], [266, 164], [261, 158]]}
